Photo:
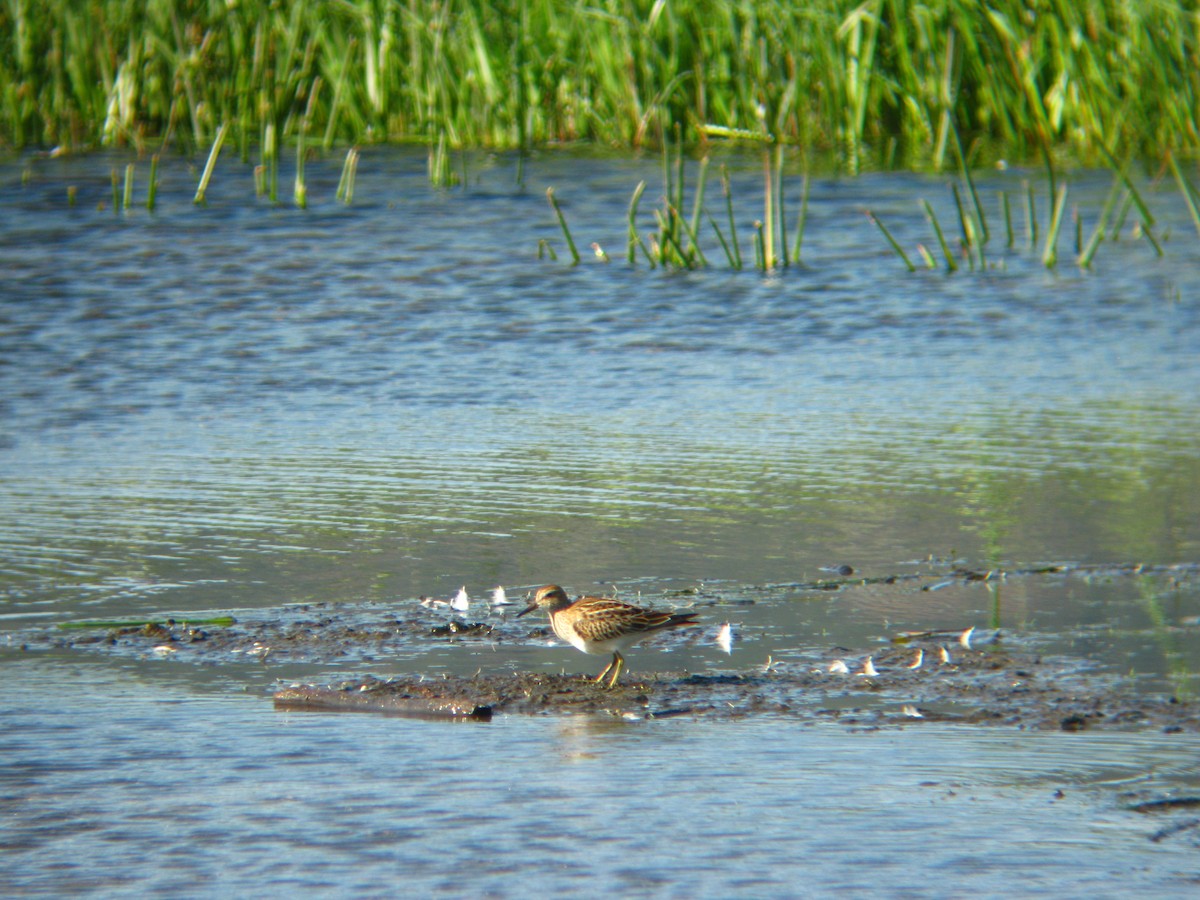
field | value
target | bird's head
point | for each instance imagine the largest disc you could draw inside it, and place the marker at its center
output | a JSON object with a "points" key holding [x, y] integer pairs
{"points": [[549, 597]]}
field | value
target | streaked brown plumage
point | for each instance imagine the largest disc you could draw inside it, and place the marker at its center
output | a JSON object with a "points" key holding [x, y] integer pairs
{"points": [[601, 625]]}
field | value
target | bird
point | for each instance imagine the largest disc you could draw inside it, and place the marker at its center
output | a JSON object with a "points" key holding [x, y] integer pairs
{"points": [[600, 625]]}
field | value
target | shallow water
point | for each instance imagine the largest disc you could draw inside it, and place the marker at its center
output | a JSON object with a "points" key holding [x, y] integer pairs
{"points": [[240, 406], [224, 797]]}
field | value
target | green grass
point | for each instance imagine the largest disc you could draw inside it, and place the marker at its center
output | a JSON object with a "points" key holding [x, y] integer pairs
{"points": [[974, 237], [879, 83], [677, 242]]}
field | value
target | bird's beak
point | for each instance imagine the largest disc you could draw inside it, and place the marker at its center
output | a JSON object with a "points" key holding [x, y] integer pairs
{"points": [[530, 608]]}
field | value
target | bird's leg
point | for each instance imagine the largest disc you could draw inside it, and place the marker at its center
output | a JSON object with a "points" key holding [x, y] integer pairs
{"points": [[619, 662], [608, 668]]}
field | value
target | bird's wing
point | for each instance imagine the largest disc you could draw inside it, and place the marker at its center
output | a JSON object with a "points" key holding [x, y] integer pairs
{"points": [[602, 619]]}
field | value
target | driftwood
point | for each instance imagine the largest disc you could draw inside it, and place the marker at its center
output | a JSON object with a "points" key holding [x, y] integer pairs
{"points": [[366, 699]]}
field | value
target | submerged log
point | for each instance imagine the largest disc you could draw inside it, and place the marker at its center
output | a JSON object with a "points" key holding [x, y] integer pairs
{"points": [[366, 699]]}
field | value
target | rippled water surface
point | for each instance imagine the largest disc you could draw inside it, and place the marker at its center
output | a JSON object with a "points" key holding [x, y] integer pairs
{"points": [[227, 798], [241, 406]]}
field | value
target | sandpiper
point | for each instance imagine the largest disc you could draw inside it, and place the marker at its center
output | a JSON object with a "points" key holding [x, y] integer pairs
{"points": [[601, 625]]}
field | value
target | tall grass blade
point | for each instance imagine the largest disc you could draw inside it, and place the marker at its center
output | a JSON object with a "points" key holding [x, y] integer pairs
{"points": [[1097, 236], [1050, 250], [1093, 243], [694, 253], [965, 171], [270, 162], [802, 220], [733, 239], [152, 189], [670, 239], [1148, 234], [1147, 217], [202, 188], [562, 221], [335, 107], [1123, 174], [1185, 188], [946, 102], [891, 240], [1122, 215], [733, 263], [1051, 178], [300, 188], [1008, 226], [1031, 227], [127, 196], [670, 251], [767, 226], [951, 262], [976, 241], [964, 227], [300, 191], [676, 200], [780, 210], [345, 188], [635, 237], [441, 170], [668, 171], [698, 199]]}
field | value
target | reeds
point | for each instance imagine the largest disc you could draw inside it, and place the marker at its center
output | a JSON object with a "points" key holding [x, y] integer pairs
{"points": [[676, 241], [974, 235], [881, 82]]}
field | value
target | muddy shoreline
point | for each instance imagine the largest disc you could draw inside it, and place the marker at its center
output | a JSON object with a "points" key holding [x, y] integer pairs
{"points": [[995, 679], [979, 687]]}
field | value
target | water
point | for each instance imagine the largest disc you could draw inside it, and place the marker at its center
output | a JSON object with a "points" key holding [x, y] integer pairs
{"points": [[240, 407], [174, 791]]}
